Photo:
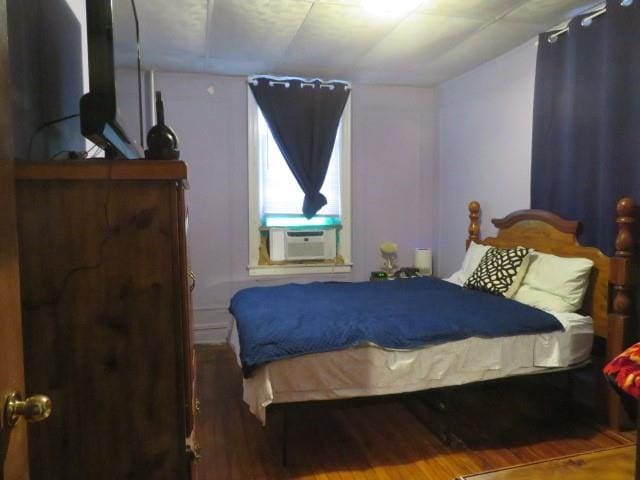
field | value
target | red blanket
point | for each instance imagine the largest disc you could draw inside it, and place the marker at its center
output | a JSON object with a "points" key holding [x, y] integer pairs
{"points": [[624, 371]]}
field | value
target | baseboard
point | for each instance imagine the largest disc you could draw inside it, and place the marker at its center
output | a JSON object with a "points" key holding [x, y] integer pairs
{"points": [[211, 325], [210, 334]]}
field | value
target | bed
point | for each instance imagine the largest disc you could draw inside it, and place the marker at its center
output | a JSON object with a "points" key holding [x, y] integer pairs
{"points": [[370, 370]]}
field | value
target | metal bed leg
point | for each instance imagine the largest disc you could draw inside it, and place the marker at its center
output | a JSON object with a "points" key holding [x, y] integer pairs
{"points": [[283, 441], [568, 394]]}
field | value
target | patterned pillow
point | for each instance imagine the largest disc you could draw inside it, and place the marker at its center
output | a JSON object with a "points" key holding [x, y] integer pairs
{"points": [[500, 271]]}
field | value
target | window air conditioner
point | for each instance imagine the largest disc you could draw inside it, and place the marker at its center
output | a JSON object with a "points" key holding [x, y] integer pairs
{"points": [[290, 245]]}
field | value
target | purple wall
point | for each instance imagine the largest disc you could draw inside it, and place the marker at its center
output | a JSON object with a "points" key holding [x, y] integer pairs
{"points": [[485, 148], [393, 181], [393, 166]]}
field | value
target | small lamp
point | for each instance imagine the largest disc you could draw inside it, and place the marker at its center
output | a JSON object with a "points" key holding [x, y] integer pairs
{"points": [[422, 261], [389, 252]]}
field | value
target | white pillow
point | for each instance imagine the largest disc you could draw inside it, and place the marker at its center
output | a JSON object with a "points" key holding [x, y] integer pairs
{"points": [[540, 299], [472, 258], [555, 283]]}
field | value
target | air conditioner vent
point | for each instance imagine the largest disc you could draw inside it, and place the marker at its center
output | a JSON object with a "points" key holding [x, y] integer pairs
{"points": [[294, 245]]}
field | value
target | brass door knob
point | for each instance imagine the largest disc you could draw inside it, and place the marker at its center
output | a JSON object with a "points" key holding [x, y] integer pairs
{"points": [[34, 409]]}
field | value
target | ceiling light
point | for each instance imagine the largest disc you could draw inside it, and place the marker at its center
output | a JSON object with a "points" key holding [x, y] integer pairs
{"points": [[390, 8]]}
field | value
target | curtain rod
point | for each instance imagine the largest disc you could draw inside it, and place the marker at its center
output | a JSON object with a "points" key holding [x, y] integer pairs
{"points": [[285, 81], [585, 22]]}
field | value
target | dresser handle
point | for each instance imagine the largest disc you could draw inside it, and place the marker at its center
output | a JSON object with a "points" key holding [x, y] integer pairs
{"points": [[194, 453], [192, 276]]}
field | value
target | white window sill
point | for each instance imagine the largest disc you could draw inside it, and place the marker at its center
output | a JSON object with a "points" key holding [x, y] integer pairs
{"points": [[297, 269]]}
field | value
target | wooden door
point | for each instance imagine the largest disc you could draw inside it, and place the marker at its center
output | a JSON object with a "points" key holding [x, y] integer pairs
{"points": [[13, 441]]}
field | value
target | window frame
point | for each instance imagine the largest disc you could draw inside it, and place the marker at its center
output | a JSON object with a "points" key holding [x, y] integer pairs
{"points": [[254, 194]]}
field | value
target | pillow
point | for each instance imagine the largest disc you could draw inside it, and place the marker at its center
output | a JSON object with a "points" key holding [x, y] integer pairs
{"points": [[472, 258], [555, 283], [500, 271], [540, 299]]}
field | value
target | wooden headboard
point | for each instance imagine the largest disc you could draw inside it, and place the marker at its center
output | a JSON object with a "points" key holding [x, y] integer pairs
{"points": [[610, 287], [609, 300]]}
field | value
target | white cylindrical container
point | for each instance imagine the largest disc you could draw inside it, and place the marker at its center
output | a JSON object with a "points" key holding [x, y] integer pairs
{"points": [[422, 260]]}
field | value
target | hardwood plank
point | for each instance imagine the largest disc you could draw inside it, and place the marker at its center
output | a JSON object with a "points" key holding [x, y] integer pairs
{"points": [[615, 463], [493, 426]]}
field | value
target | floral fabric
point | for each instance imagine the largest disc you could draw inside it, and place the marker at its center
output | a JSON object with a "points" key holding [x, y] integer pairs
{"points": [[624, 371]]}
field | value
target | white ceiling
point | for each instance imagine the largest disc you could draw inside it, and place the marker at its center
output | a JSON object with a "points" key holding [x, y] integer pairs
{"points": [[332, 39]]}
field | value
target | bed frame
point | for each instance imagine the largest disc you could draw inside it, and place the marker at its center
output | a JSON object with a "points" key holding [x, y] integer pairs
{"points": [[609, 299]]}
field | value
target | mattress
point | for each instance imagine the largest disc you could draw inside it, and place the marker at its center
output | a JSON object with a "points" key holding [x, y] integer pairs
{"points": [[284, 321], [370, 370]]}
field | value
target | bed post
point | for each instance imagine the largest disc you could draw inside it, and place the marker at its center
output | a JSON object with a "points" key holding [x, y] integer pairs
{"points": [[621, 328], [474, 222]]}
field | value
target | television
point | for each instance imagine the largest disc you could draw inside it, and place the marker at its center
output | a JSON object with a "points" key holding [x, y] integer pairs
{"points": [[113, 47]]}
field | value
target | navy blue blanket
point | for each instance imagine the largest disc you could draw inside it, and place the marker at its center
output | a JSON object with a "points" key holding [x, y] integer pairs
{"points": [[290, 320]]}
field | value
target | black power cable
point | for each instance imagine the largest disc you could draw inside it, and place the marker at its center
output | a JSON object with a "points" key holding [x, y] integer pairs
{"points": [[45, 125]]}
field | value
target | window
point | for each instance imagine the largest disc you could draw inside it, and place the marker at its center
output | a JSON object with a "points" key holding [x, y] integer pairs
{"points": [[275, 198]]}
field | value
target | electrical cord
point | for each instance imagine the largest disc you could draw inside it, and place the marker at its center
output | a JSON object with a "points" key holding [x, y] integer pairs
{"points": [[95, 152], [74, 154], [45, 125], [110, 232], [57, 154], [71, 155], [90, 151]]}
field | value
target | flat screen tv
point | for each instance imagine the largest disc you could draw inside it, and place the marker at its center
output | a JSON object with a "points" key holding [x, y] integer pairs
{"points": [[113, 47]]}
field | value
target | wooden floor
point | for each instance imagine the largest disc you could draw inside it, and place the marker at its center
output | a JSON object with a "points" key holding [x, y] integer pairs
{"points": [[436, 435]]}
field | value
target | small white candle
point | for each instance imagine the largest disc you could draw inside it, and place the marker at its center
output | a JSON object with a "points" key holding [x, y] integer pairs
{"points": [[422, 260]]}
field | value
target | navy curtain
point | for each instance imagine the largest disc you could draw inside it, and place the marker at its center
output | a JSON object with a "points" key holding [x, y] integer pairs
{"points": [[586, 126], [303, 118]]}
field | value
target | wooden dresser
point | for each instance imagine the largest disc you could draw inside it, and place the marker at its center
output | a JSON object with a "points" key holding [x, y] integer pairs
{"points": [[106, 314]]}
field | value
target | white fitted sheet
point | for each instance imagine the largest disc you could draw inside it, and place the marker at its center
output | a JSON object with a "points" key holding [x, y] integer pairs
{"points": [[371, 370]]}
